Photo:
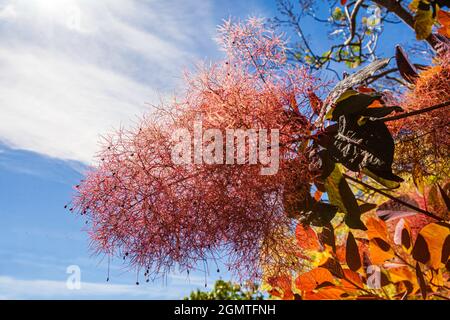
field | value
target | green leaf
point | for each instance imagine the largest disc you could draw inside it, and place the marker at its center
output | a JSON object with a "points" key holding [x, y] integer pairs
{"points": [[340, 195], [388, 182]]}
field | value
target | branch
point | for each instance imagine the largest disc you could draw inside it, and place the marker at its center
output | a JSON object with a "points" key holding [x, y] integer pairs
{"points": [[352, 21], [395, 7], [387, 195], [416, 112]]}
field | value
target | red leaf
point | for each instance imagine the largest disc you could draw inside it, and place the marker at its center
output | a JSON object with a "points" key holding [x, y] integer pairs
{"points": [[307, 238]]}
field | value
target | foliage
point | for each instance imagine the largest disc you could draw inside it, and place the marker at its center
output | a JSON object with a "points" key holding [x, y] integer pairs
{"points": [[352, 212], [392, 252], [227, 290], [375, 264], [158, 215], [355, 30]]}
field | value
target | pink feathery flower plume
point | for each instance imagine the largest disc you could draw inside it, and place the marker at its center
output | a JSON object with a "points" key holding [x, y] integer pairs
{"points": [[162, 215]]}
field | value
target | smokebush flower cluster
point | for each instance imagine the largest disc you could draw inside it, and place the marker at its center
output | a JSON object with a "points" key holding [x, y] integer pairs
{"points": [[160, 215]]}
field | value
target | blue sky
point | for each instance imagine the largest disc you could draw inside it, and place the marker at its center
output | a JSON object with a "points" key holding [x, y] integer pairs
{"points": [[72, 70]]}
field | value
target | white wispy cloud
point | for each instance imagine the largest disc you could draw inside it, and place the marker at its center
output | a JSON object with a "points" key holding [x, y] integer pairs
{"points": [[13, 288], [74, 69]]}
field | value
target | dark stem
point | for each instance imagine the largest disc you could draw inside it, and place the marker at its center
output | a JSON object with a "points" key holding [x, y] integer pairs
{"points": [[387, 195], [416, 112]]}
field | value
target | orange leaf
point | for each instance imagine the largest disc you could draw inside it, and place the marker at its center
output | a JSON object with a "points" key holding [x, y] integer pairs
{"points": [[429, 244], [307, 238], [363, 89], [282, 284], [352, 280], [318, 195], [443, 18], [376, 104], [315, 102], [332, 293], [340, 254], [310, 280], [376, 228], [380, 251]]}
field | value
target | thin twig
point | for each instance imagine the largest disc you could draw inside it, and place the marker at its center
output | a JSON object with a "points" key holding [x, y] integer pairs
{"points": [[416, 112], [404, 203]]}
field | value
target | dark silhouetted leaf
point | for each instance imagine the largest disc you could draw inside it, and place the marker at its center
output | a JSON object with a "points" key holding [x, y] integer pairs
{"points": [[327, 165], [352, 80], [421, 280], [366, 207], [352, 102], [326, 237], [364, 146], [352, 256], [407, 70], [406, 239], [383, 245], [318, 214], [420, 251], [334, 267], [445, 250], [445, 197], [325, 284], [402, 235], [384, 280]]}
